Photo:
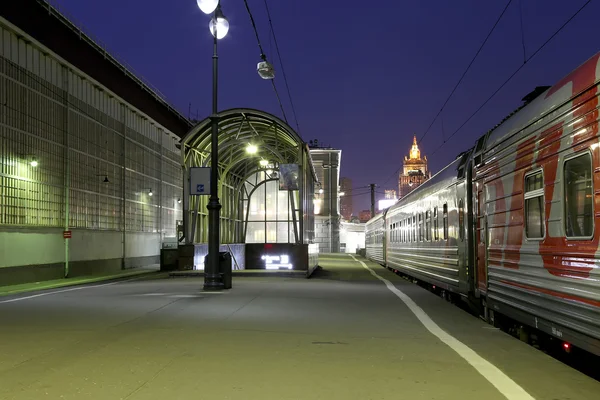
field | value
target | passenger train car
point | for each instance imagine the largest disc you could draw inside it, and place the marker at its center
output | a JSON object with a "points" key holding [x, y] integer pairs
{"points": [[512, 225]]}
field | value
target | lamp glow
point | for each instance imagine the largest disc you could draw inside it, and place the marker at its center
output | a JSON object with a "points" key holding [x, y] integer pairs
{"points": [[150, 193], [219, 26], [264, 163], [251, 149], [207, 6], [33, 162], [321, 191]]}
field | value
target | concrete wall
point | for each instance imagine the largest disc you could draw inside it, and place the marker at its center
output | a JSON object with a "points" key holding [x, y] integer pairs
{"points": [[38, 254], [327, 234]]}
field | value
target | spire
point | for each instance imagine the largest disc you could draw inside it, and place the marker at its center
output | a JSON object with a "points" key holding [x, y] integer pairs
{"points": [[415, 153]]}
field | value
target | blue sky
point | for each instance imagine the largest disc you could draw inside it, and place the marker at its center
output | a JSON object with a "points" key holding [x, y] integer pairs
{"points": [[363, 78]]}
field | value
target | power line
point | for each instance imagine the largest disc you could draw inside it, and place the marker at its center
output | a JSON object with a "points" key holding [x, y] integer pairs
{"points": [[468, 67], [281, 63], [515, 73], [457, 83], [264, 57], [505, 82]]}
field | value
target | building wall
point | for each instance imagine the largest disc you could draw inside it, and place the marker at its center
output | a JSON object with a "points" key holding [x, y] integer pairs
{"points": [[327, 214], [80, 133], [346, 200]]}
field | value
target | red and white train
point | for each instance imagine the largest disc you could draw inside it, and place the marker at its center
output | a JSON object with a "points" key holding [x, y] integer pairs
{"points": [[512, 225]]}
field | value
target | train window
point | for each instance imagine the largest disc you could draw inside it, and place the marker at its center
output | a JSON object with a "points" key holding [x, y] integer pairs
{"points": [[421, 227], [579, 198], [436, 234], [428, 225], [534, 205], [445, 220], [461, 220]]}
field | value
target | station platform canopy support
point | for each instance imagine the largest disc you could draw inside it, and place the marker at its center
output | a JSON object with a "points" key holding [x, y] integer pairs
{"points": [[266, 179]]}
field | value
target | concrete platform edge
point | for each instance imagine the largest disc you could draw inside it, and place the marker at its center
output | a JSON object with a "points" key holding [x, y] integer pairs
{"points": [[39, 286]]}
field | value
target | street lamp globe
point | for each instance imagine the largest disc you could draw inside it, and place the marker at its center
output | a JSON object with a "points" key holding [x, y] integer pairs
{"points": [[219, 26], [207, 6]]}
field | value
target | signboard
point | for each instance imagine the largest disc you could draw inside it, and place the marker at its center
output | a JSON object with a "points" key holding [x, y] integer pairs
{"points": [[67, 234], [199, 181], [288, 176]]}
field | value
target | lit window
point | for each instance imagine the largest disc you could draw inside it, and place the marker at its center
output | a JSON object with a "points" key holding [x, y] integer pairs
{"points": [[445, 217], [534, 206], [579, 200]]}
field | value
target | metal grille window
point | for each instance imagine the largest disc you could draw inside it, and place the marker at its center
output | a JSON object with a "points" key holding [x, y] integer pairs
{"points": [[534, 206], [579, 199]]}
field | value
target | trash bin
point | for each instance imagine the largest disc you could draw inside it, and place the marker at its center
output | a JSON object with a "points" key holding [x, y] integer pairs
{"points": [[225, 269]]}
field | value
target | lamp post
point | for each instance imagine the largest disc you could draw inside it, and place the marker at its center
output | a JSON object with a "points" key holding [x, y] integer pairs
{"points": [[219, 26]]}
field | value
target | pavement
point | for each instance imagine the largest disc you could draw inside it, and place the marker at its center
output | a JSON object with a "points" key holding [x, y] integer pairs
{"points": [[80, 280], [343, 334]]}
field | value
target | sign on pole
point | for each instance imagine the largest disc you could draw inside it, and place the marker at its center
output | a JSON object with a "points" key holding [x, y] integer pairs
{"points": [[67, 234], [199, 181]]}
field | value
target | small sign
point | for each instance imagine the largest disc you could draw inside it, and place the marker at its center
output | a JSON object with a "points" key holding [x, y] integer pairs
{"points": [[199, 181], [67, 234]]}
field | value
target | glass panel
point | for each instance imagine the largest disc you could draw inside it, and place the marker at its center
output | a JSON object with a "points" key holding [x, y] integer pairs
{"points": [[271, 232], [283, 230], [534, 182], [271, 200], [534, 225], [445, 220], [257, 205], [256, 232], [436, 234], [282, 206], [579, 206]]}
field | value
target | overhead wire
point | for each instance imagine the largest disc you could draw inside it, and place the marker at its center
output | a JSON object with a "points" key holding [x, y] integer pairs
{"points": [[515, 73], [468, 68], [457, 83], [282, 68], [264, 58], [503, 84]]}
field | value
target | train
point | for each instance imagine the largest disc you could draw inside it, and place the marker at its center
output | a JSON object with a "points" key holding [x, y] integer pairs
{"points": [[511, 227]]}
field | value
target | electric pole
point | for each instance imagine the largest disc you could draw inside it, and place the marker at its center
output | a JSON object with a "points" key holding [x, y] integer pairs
{"points": [[372, 199]]}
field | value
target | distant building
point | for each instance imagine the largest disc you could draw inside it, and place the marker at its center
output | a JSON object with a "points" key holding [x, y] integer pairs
{"points": [[326, 162], [364, 215], [415, 171], [390, 194], [346, 199]]}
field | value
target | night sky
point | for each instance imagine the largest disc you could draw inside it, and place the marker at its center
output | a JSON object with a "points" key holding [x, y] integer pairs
{"points": [[362, 78]]}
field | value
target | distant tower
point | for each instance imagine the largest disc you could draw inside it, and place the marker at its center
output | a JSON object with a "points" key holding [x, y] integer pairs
{"points": [[415, 171]]}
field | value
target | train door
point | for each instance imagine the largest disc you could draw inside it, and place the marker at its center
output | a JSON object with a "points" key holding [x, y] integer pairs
{"points": [[480, 241]]}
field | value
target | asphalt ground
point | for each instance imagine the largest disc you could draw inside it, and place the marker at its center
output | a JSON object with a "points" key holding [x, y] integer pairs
{"points": [[343, 334]]}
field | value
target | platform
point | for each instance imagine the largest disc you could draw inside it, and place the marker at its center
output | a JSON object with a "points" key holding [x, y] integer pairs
{"points": [[343, 334]]}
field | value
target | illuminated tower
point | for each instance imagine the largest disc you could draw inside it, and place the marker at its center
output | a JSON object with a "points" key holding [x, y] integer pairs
{"points": [[415, 171]]}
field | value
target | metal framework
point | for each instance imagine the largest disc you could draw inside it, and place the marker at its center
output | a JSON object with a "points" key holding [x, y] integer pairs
{"points": [[276, 141]]}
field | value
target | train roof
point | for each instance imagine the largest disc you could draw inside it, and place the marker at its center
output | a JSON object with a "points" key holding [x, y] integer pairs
{"points": [[449, 175], [543, 100]]}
